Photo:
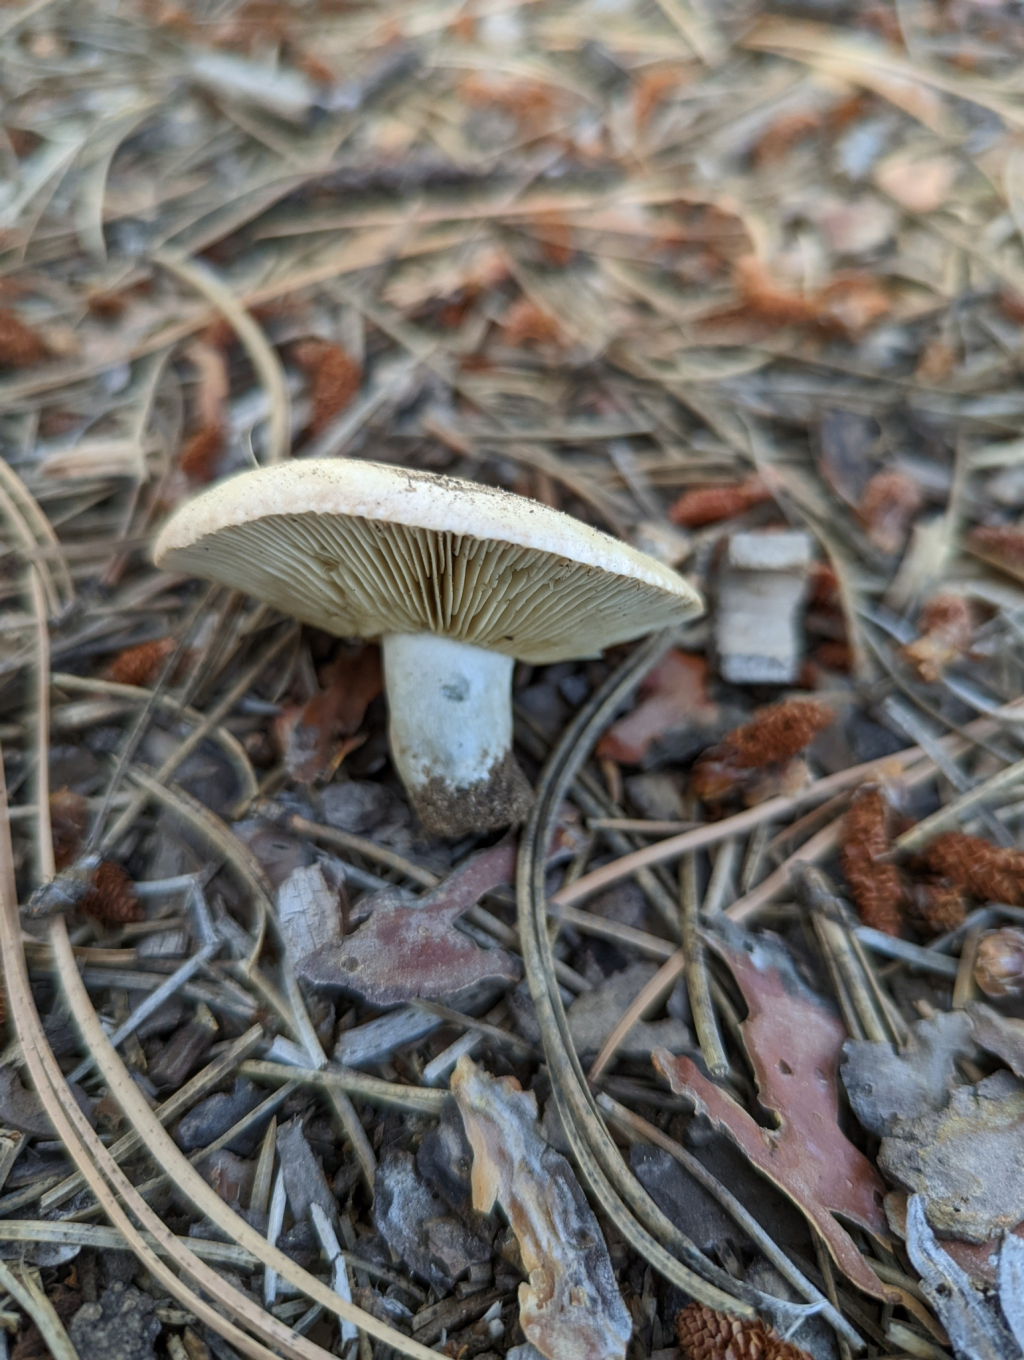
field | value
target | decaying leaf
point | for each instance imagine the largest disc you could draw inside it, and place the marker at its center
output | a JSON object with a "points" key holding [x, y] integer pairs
{"points": [[672, 696], [974, 1330], [966, 1160], [316, 737], [571, 1308], [794, 1045], [772, 737], [20, 347], [410, 948], [705, 1334]]}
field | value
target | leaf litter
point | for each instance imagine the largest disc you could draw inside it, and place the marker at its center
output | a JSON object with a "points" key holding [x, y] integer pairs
{"points": [[711, 282]]}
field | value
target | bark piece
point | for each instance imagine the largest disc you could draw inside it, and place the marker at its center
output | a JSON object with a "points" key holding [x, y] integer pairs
{"points": [[761, 591], [304, 1179], [571, 1308], [794, 1045], [411, 948], [184, 1051], [885, 1087], [122, 1325], [419, 1228], [308, 912], [966, 1161]]}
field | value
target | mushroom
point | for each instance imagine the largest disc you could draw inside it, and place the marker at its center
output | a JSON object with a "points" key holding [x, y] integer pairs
{"points": [[458, 580]]}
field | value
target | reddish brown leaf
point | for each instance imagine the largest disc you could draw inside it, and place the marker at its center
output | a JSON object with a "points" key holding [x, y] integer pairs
{"points": [[783, 134], [69, 816], [673, 694], [309, 735], [141, 664], [794, 1045], [411, 949], [651, 88], [20, 347], [711, 504], [525, 323], [334, 379]]}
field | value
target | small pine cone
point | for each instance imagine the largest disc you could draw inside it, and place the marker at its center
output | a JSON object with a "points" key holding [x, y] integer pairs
{"points": [[999, 963], [704, 505], [139, 665], [706, 1335], [778, 732], [935, 907], [874, 883], [978, 868], [111, 898], [946, 626]]}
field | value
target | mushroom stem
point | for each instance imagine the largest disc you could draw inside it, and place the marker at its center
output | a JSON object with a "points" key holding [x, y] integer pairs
{"points": [[450, 725]]}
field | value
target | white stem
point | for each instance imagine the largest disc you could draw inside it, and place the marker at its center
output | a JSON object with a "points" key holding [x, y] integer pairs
{"points": [[450, 725]]}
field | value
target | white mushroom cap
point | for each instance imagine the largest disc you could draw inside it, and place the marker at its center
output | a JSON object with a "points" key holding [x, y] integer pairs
{"points": [[366, 550]]}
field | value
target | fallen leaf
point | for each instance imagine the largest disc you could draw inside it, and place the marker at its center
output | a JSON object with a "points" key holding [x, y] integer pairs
{"points": [[20, 347], [673, 695], [918, 184], [409, 948], [525, 323], [965, 1160], [309, 735], [571, 1308], [794, 1045], [200, 453]]}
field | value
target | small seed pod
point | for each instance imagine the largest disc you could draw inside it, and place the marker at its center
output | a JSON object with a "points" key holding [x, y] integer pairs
{"points": [[999, 965]]}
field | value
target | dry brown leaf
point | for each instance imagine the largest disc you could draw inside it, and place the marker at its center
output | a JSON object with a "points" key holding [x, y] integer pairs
{"points": [[20, 347], [794, 1045], [918, 184], [201, 452], [309, 735], [674, 694], [408, 948], [571, 1308], [526, 323]]}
